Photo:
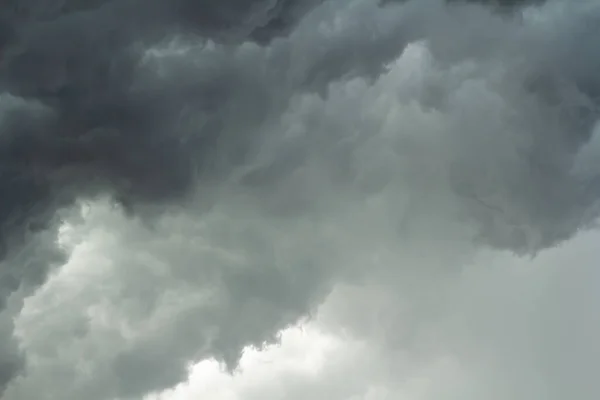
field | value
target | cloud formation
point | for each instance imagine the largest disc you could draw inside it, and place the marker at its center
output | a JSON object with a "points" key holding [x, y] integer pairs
{"points": [[262, 151], [508, 327]]}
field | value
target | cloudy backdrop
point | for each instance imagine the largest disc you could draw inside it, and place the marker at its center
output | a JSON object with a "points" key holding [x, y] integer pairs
{"points": [[299, 199]]}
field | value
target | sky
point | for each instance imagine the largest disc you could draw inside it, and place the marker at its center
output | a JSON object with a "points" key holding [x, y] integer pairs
{"points": [[281, 199]]}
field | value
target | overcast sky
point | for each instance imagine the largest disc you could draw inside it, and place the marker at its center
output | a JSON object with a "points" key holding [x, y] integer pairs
{"points": [[312, 199]]}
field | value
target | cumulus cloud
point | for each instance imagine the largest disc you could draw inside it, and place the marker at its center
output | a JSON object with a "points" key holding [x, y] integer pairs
{"points": [[179, 182]]}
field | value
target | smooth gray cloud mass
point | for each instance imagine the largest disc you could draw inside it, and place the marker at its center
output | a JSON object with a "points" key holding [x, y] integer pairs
{"points": [[180, 179]]}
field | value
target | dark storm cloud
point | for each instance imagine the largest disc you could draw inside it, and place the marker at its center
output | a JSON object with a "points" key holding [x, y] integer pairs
{"points": [[85, 111], [80, 116], [90, 119]]}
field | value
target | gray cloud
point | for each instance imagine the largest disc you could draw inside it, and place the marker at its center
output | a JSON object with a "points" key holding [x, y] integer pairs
{"points": [[505, 326], [190, 288], [81, 115], [443, 121]]}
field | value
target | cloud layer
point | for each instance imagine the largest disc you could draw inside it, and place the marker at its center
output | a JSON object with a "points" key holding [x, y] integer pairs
{"points": [[190, 181]]}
